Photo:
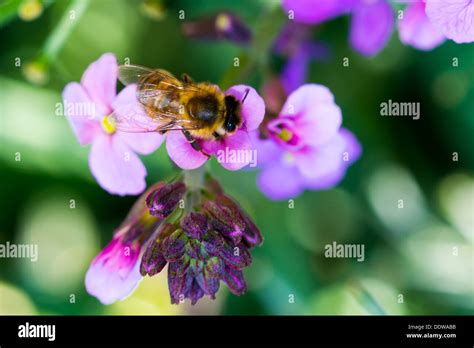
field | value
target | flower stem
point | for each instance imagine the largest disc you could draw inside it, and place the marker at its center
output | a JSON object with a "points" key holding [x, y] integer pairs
{"points": [[194, 181], [61, 33]]}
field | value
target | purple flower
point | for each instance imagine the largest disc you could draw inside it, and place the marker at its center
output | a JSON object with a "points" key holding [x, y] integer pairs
{"points": [[371, 26], [305, 148], [455, 18], [185, 156], [112, 158], [372, 20], [294, 41], [115, 272], [203, 247], [416, 29], [317, 11], [220, 26]]}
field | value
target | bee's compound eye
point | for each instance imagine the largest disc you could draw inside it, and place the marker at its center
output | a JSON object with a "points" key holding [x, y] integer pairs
{"points": [[230, 126]]}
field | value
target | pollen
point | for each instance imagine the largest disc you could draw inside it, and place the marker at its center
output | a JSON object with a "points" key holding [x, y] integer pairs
{"points": [[223, 22], [285, 135], [288, 158], [108, 125]]}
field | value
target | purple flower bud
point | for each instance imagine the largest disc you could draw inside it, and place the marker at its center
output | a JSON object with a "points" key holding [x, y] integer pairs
{"points": [[201, 248], [180, 267], [213, 242], [162, 201], [236, 257], [173, 246], [214, 266], [194, 225], [221, 26], [225, 220], [250, 232], [175, 285], [194, 292], [196, 250], [153, 260], [209, 283], [235, 281]]}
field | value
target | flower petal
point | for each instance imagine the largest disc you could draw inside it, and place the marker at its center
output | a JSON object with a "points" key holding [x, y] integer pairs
{"points": [[265, 149], [100, 81], [353, 147], [330, 178], [80, 112], [253, 108], [114, 273], [416, 29], [116, 167], [280, 181], [455, 18], [316, 11], [233, 152], [143, 143], [182, 153], [371, 26], [317, 117], [314, 162], [295, 70]]}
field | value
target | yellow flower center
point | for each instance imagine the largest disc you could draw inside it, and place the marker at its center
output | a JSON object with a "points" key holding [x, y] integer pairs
{"points": [[284, 135], [223, 22], [30, 9], [108, 125]]}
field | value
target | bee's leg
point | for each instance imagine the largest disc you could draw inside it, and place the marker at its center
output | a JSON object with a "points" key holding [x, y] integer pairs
{"points": [[186, 78], [194, 144]]}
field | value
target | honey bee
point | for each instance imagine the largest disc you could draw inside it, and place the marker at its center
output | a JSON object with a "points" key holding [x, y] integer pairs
{"points": [[200, 110]]}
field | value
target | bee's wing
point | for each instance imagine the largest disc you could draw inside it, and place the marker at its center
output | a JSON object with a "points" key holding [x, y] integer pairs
{"points": [[132, 118], [159, 93], [128, 74]]}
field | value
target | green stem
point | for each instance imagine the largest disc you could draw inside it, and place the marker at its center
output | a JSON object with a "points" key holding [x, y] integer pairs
{"points": [[256, 57], [194, 181], [61, 32]]}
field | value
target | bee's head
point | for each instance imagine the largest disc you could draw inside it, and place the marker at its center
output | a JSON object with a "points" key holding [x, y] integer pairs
{"points": [[232, 116]]}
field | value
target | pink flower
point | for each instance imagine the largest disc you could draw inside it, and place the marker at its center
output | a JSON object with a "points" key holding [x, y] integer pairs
{"points": [[306, 148], [455, 18], [112, 158], [371, 25], [115, 272], [233, 150], [416, 29]]}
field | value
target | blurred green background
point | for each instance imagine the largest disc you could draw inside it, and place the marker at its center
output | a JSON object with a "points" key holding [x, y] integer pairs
{"points": [[418, 260]]}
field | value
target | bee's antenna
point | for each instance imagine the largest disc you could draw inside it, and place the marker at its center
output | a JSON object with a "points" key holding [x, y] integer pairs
{"points": [[245, 95]]}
